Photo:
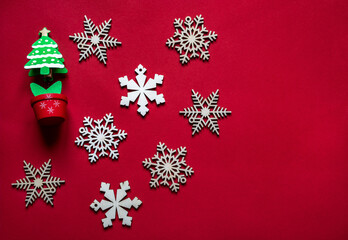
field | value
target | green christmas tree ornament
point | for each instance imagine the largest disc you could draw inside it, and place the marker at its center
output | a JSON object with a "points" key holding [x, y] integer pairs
{"points": [[45, 59], [49, 104]]}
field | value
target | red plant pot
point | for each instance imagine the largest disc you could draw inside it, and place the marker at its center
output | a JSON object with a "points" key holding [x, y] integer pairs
{"points": [[50, 109]]}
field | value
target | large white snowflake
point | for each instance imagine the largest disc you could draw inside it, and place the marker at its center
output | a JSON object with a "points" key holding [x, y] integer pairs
{"points": [[171, 169], [38, 183], [205, 112], [141, 90], [115, 204], [100, 138], [95, 40], [189, 41]]}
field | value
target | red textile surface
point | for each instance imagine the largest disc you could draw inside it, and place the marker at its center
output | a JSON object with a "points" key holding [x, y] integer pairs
{"points": [[278, 169]]}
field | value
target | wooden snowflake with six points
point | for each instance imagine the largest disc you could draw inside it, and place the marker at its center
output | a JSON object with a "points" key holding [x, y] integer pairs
{"points": [[191, 39], [205, 112], [38, 183], [95, 40]]}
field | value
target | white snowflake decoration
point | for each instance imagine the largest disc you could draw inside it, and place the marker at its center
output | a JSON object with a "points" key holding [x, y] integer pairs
{"points": [[115, 204], [42, 105], [56, 103], [205, 112], [189, 41], [141, 90], [100, 138], [95, 40], [168, 167], [38, 183], [50, 110]]}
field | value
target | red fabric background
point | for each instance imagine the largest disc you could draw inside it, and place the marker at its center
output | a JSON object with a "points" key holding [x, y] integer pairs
{"points": [[278, 169]]}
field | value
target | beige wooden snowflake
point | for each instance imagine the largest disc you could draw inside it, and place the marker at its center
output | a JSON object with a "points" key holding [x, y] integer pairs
{"points": [[141, 90], [115, 203], [191, 39], [100, 137], [205, 112], [38, 183], [95, 40], [168, 167]]}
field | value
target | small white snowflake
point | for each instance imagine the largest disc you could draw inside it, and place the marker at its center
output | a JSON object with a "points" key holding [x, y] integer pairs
{"points": [[56, 103], [101, 137], [189, 41], [49, 96], [50, 110], [141, 90], [115, 204], [205, 112], [168, 167], [38, 183], [95, 40], [43, 105]]}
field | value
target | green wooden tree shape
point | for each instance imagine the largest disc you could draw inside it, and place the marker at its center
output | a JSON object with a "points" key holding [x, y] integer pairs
{"points": [[45, 59]]}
